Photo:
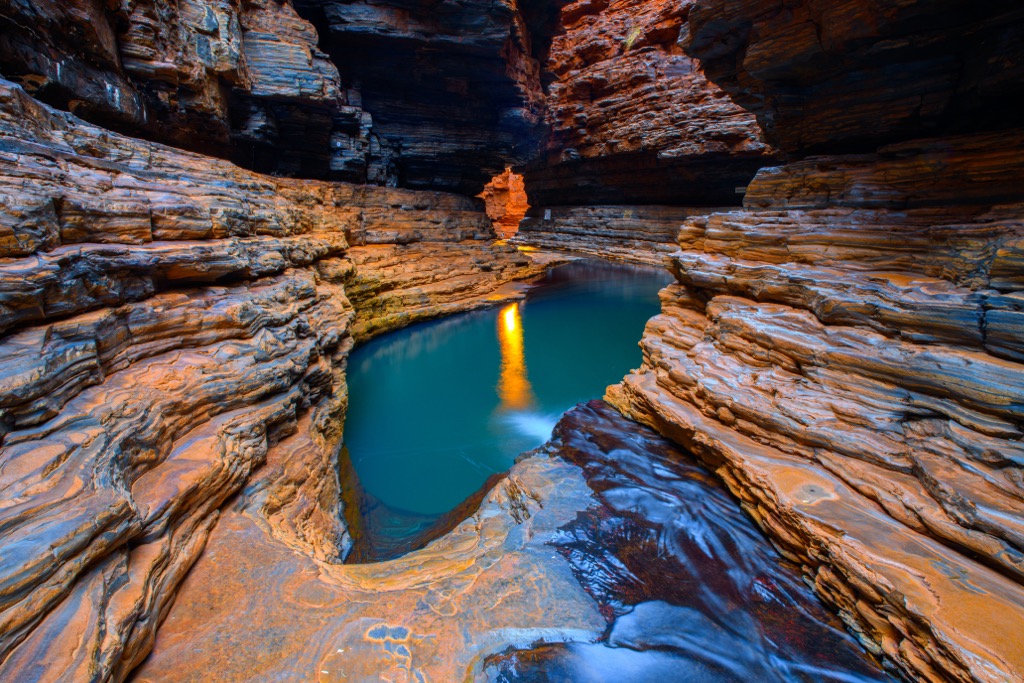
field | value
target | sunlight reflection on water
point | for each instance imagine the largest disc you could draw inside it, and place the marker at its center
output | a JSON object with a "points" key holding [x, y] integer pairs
{"points": [[514, 388]]}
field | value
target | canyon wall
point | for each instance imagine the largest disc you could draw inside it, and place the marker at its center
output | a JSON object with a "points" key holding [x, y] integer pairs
{"points": [[635, 127], [642, 234], [632, 118], [427, 95], [453, 86], [171, 324], [851, 75], [845, 351], [240, 80]]}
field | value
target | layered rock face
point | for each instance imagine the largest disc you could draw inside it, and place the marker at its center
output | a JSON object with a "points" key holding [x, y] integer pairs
{"points": [[633, 119], [418, 94], [845, 351], [576, 540], [634, 234], [639, 139], [169, 325], [453, 86], [252, 609], [240, 80]]}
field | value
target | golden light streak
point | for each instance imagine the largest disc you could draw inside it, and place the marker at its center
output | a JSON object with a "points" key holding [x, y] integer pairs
{"points": [[514, 388]]}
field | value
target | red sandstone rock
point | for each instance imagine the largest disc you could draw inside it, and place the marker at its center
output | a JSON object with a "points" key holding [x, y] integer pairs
{"points": [[845, 363], [170, 325], [633, 119], [433, 614], [412, 94], [506, 202], [845, 352]]}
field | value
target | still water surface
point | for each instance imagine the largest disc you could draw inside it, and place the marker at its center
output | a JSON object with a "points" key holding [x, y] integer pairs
{"points": [[691, 589], [437, 408]]}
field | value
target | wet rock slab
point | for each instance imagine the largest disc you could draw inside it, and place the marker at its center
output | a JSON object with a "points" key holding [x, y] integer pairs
{"points": [[657, 571], [691, 588]]}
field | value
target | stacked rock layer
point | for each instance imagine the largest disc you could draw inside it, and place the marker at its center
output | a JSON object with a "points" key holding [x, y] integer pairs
{"points": [[643, 234], [427, 95], [845, 350], [633, 119], [170, 324], [453, 86]]}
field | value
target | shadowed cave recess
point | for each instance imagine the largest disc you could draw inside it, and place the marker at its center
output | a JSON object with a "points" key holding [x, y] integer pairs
{"points": [[297, 298]]}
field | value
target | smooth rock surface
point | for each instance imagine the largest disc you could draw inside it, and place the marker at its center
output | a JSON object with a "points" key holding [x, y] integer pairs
{"points": [[253, 609], [690, 587]]}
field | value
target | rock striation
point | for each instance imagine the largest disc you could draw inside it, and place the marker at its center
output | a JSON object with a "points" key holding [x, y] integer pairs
{"points": [[643, 234], [392, 286], [548, 556], [844, 76], [835, 366], [422, 95], [244, 81], [170, 325], [633, 120], [432, 615], [844, 351]]}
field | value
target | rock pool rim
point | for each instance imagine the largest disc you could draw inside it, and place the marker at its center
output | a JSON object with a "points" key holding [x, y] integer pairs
{"points": [[356, 498], [358, 502]]}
